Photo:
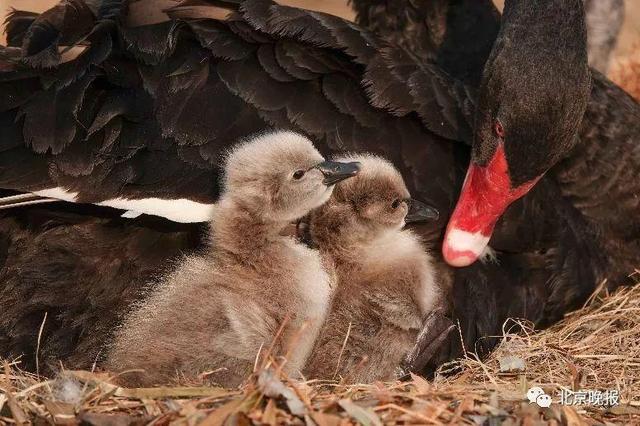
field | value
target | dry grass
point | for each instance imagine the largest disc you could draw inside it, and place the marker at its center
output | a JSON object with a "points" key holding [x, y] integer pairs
{"points": [[596, 348]]}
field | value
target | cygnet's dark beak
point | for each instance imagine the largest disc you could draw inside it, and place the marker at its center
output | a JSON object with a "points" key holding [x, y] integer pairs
{"points": [[421, 212], [335, 171]]}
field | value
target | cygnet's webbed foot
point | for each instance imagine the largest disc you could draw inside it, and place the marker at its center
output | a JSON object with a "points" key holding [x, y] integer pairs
{"points": [[432, 339]]}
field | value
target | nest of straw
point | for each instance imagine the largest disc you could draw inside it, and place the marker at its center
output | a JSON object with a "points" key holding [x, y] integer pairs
{"points": [[595, 348]]}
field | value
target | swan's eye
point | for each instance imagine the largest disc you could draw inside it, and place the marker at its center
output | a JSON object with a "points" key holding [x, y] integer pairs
{"points": [[395, 204], [497, 127], [297, 175]]}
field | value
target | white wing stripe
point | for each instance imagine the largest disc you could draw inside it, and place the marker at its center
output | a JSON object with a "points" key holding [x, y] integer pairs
{"points": [[180, 210]]}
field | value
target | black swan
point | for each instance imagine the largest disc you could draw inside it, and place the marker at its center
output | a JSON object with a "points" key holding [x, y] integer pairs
{"points": [[117, 132], [607, 140], [602, 225], [144, 111]]}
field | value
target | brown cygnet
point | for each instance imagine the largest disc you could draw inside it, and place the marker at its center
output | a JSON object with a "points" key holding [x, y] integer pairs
{"points": [[387, 283], [217, 310]]}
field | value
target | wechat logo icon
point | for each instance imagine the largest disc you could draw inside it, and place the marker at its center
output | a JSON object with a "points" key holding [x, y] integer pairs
{"points": [[537, 395]]}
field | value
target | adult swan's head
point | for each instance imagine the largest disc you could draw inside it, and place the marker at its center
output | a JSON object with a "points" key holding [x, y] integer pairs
{"points": [[534, 92]]}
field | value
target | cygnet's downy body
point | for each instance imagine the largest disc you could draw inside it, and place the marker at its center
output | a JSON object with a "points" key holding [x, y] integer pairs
{"points": [[387, 283], [217, 310]]}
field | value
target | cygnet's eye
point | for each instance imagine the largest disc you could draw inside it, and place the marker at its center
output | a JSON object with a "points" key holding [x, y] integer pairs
{"points": [[297, 175], [396, 203]]}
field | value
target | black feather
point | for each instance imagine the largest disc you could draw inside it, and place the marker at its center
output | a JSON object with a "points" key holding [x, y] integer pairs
{"points": [[50, 116], [17, 24], [64, 24], [150, 44], [221, 42]]}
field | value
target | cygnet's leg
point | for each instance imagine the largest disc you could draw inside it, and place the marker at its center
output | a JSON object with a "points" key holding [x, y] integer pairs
{"points": [[436, 331]]}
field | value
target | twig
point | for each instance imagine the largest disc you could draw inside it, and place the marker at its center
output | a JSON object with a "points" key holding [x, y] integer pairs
{"points": [[344, 345], [38, 344]]}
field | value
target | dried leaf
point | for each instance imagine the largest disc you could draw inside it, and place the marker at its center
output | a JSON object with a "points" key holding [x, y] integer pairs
{"points": [[62, 412], [509, 364], [466, 405], [422, 386], [573, 419], [89, 376], [16, 411], [382, 393], [477, 419], [325, 419], [364, 416], [99, 419], [272, 387], [218, 416], [178, 392], [238, 419], [269, 415]]}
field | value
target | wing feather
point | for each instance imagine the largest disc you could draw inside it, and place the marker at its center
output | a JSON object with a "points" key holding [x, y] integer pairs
{"points": [[145, 108]]}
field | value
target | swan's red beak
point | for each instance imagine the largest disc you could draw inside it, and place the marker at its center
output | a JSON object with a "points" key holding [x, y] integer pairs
{"points": [[486, 194]]}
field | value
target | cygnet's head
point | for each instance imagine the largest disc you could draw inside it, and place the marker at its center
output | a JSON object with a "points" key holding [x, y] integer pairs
{"points": [[377, 198], [281, 176]]}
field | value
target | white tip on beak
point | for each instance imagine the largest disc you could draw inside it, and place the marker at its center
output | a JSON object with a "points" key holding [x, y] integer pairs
{"points": [[462, 248]]}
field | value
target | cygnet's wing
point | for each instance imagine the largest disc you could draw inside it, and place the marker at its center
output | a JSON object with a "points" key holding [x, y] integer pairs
{"points": [[133, 109]]}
